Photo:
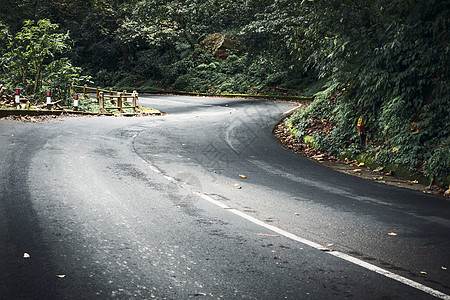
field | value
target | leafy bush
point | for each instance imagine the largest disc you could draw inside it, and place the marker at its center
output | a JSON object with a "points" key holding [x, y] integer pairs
{"points": [[149, 86], [126, 82], [420, 147], [390, 58], [30, 60]]}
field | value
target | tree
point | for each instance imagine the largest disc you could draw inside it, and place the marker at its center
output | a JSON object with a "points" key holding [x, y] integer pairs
{"points": [[31, 60], [387, 61]]}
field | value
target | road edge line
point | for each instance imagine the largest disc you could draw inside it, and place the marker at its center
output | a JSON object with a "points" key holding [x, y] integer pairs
{"points": [[391, 275], [341, 255]]}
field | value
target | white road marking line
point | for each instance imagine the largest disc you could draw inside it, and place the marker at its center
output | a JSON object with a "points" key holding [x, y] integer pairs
{"points": [[213, 201], [391, 275], [171, 179], [314, 245], [155, 169], [291, 110]]}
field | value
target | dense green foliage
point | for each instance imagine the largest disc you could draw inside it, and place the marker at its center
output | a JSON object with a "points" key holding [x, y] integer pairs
{"points": [[384, 60], [388, 62], [30, 60]]}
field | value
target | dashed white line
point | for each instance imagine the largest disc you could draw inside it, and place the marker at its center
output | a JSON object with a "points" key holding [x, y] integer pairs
{"points": [[155, 169], [391, 275], [314, 245], [171, 179]]}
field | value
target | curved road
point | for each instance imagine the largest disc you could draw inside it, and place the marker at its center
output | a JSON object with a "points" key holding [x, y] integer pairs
{"points": [[154, 207]]}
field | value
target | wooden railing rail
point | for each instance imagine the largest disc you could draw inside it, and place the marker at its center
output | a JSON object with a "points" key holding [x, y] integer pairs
{"points": [[101, 94]]}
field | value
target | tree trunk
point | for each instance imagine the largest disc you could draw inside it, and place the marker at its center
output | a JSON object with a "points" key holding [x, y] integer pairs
{"points": [[126, 60]]}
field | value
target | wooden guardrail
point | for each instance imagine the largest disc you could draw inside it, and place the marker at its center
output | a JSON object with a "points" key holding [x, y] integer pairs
{"points": [[119, 99]]}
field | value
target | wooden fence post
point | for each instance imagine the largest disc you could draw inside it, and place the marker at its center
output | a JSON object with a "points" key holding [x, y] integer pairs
{"points": [[119, 101], [85, 91], [101, 101], [135, 99], [124, 96], [98, 93], [111, 95]]}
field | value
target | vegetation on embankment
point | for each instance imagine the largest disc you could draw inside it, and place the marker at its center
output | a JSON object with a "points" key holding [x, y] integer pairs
{"points": [[406, 154]]}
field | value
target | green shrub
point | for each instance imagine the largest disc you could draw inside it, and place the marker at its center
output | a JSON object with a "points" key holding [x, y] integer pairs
{"points": [[394, 141], [31, 60]]}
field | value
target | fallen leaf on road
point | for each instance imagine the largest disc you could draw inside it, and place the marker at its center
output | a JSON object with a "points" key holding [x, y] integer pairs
{"points": [[265, 234], [412, 181], [61, 276], [26, 255], [297, 214], [443, 268], [423, 272], [392, 233], [243, 176]]}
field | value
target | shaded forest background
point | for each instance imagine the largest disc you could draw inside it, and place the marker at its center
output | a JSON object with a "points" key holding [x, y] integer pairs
{"points": [[386, 61]]}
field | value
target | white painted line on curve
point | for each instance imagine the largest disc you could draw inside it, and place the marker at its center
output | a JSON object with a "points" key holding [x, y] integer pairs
{"points": [[314, 245], [171, 179], [292, 109], [155, 169], [391, 275]]}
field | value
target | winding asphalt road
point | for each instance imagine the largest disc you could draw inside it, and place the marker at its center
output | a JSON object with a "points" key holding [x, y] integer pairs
{"points": [[154, 207]]}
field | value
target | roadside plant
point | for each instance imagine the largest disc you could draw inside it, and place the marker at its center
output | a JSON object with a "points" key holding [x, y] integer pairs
{"points": [[32, 60]]}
